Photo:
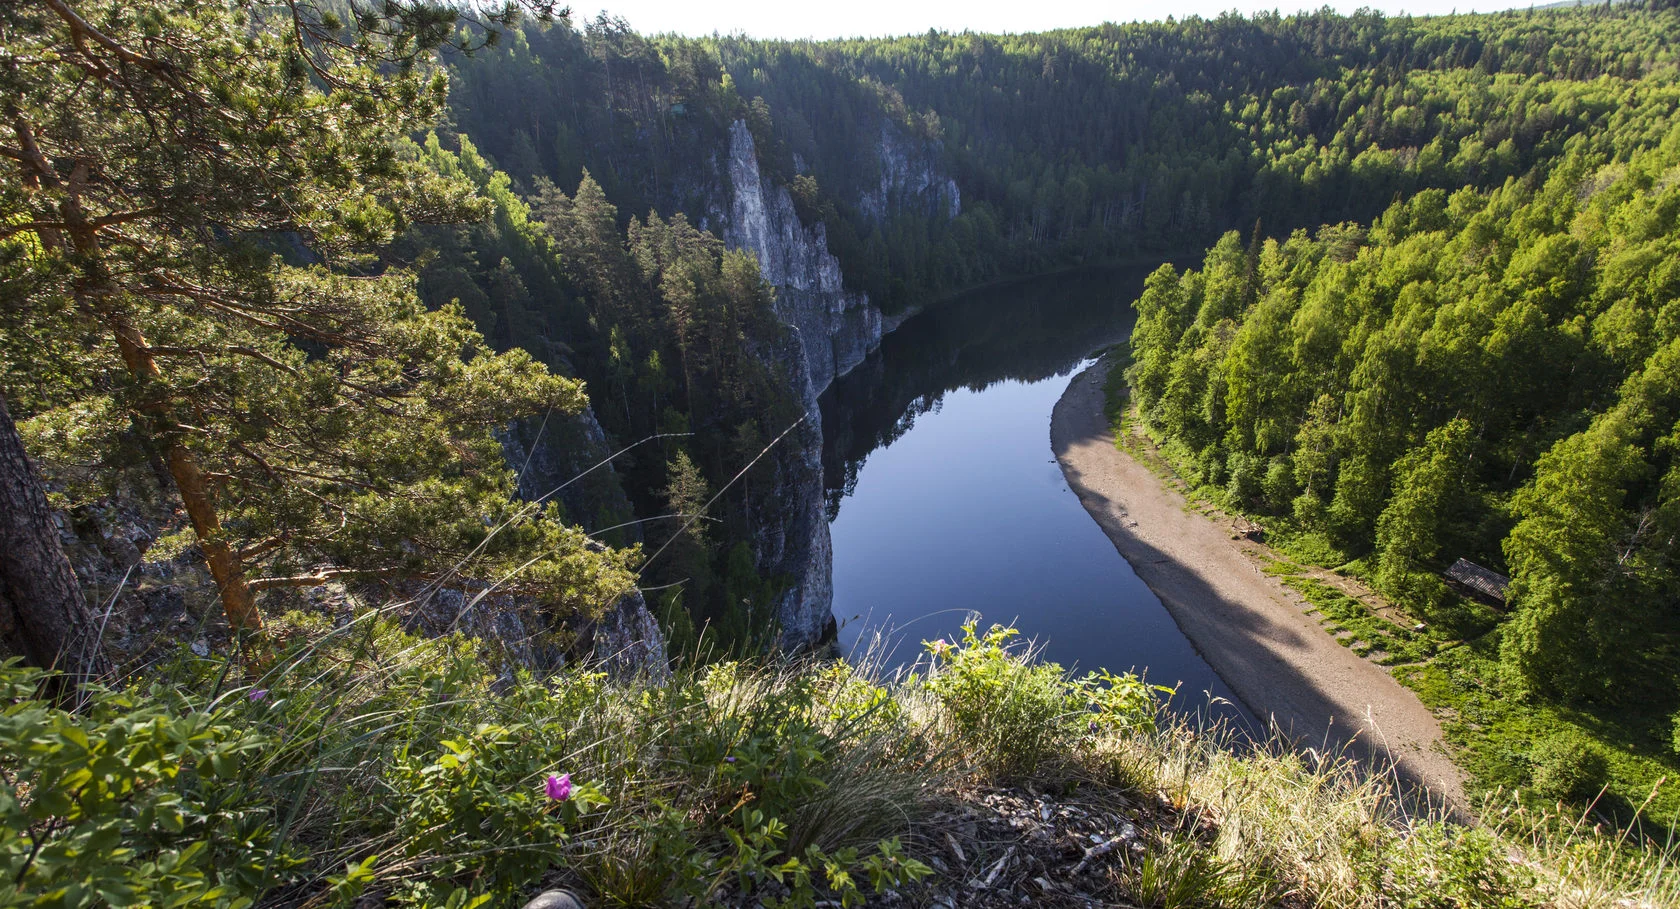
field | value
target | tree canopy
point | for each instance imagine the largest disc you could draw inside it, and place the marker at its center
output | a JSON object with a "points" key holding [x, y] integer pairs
{"points": [[194, 204]]}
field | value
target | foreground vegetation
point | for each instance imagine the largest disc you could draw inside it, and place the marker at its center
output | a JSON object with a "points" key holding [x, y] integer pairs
{"points": [[367, 763]]}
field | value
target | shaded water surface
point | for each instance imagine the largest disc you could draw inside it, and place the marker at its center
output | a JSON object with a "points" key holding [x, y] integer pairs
{"points": [[944, 496]]}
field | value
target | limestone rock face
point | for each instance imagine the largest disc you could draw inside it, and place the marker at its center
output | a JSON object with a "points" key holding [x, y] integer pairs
{"points": [[478, 610], [836, 328], [557, 457], [833, 329], [911, 179], [628, 642]]}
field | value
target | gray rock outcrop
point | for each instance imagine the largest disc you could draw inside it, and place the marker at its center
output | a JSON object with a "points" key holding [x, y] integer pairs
{"points": [[628, 642], [833, 328], [911, 179], [836, 328]]}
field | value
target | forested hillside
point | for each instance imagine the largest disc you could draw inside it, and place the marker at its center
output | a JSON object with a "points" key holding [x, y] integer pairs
{"points": [[1085, 143], [1488, 375], [1500, 317], [940, 162], [673, 332]]}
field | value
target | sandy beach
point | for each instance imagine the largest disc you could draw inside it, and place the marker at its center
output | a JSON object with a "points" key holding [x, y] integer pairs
{"points": [[1253, 631]]}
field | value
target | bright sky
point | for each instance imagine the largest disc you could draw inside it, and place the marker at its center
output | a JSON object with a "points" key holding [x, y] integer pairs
{"points": [[874, 18]]}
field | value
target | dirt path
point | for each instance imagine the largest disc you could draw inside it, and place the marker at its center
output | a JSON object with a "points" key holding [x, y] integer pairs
{"points": [[1253, 631]]}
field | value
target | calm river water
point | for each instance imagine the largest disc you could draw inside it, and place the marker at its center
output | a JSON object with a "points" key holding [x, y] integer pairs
{"points": [[944, 497]]}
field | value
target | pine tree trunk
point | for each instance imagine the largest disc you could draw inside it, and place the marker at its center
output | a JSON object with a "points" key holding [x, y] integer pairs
{"points": [[42, 613], [238, 602], [95, 291]]}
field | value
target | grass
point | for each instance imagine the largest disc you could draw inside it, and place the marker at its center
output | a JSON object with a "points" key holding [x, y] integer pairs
{"points": [[376, 767], [1452, 665]]}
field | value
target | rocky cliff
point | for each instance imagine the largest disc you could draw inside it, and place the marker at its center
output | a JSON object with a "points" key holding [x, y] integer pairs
{"points": [[830, 330], [836, 328], [911, 179], [833, 330], [565, 458]]}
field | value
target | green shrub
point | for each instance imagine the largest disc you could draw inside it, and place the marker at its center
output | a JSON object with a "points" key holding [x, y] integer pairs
{"points": [[1567, 768], [1012, 713], [1246, 487], [1184, 874], [1210, 466], [1440, 866], [1279, 485], [480, 805], [139, 799]]}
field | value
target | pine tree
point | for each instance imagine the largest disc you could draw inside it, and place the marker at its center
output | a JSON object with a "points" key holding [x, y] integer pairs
{"points": [[166, 166]]}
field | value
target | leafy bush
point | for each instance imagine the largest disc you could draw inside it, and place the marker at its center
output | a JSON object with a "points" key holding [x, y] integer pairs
{"points": [[1012, 713], [1567, 768], [372, 763], [484, 805], [1279, 485], [1436, 866], [1247, 484], [137, 799]]}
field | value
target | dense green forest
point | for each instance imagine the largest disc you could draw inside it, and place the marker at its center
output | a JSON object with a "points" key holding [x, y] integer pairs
{"points": [[1438, 383], [670, 328], [1490, 375], [1083, 144]]}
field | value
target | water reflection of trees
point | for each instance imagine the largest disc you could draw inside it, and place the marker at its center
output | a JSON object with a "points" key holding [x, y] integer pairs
{"points": [[1026, 331]]}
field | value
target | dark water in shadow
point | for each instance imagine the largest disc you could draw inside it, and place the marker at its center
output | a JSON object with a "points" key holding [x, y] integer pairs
{"points": [[944, 497]]}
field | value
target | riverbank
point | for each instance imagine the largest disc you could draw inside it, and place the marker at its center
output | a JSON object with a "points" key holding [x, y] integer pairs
{"points": [[1254, 631]]}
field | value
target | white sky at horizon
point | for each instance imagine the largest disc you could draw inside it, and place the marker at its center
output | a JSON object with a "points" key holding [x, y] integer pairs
{"points": [[881, 18]]}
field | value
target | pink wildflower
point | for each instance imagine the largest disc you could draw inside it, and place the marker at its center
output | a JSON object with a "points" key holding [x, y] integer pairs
{"points": [[559, 788], [258, 694]]}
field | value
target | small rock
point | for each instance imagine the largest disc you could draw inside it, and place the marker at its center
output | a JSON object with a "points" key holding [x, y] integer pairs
{"points": [[555, 899], [201, 647]]}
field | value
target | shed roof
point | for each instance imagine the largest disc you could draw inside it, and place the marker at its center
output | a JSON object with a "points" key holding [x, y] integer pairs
{"points": [[1484, 581]]}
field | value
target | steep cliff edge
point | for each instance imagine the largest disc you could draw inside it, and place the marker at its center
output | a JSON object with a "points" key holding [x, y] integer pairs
{"points": [[836, 328], [566, 458], [911, 179], [833, 330]]}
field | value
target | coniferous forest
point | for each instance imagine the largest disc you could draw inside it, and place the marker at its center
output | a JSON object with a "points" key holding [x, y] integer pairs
{"points": [[335, 333]]}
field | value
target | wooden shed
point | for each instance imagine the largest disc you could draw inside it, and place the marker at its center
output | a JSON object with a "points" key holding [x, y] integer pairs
{"points": [[1482, 583]]}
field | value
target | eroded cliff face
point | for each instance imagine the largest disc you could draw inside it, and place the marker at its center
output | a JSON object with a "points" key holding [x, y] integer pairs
{"points": [[836, 328], [831, 330], [563, 457], [911, 179]]}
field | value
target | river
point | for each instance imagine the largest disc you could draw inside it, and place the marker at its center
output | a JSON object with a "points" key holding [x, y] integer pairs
{"points": [[944, 497]]}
